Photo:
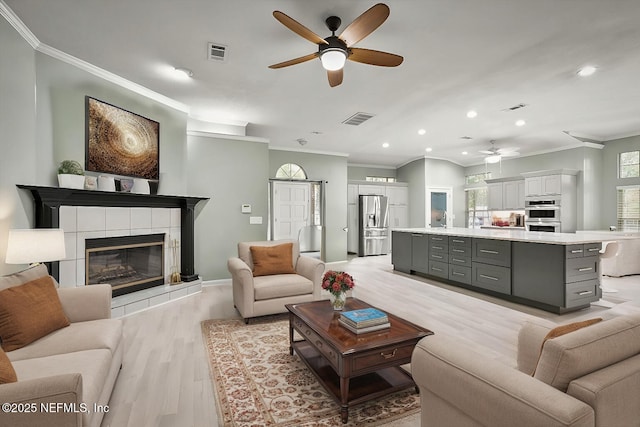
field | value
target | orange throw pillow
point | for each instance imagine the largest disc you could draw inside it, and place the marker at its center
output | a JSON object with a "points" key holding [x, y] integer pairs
{"points": [[29, 312], [558, 331], [7, 373], [268, 260]]}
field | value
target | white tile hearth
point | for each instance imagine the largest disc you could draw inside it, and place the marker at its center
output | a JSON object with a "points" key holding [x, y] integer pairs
{"points": [[130, 303]]}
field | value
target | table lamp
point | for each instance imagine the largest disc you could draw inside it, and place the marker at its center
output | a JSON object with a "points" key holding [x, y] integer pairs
{"points": [[33, 246]]}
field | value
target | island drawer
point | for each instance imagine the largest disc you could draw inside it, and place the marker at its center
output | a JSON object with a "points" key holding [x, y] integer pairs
{"points": [[436, 255], [439, 269], [581, 293], [578, 269], [578, 251], [494, 252], [436, 238], [460, 274], [491, 277], [460, 260], [460, 251], [460, 241]]}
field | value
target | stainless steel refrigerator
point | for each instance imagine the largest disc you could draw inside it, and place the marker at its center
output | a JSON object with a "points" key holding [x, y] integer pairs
{"points": [[373, 226]]}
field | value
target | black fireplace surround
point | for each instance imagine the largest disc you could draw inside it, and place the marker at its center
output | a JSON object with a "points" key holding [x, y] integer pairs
{"points": [[49, 199]]}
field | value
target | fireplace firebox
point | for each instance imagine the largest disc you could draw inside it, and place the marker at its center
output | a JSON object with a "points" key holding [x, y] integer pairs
{"points": [[127, 263]]}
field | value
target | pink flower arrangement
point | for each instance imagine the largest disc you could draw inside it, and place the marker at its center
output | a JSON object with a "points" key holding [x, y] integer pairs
{"points": [[337, 282]]}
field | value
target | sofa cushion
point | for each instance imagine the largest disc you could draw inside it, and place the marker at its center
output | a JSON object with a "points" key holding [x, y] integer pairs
{"points": [[24, 276], [80, 336], [269, 260], [93, 365], [587, 350], [7, 373], [281, 285], [29, 312]]}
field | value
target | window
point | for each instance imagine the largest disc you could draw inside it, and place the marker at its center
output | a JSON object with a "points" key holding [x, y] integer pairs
{"points": [[380, 179], [629, 208], [477, 212], [477, 178], [629, 164], [291, 171]]}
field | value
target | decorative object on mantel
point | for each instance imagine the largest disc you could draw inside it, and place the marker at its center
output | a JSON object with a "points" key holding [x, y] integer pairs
{"points": [[35, 245], [106, 183], [337, 283], [71, 175], [90, 183], [140, 186], [125, 185], [174, 278]]}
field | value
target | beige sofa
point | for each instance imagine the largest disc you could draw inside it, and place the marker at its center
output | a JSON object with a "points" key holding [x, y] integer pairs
{"points": [[69, 368], [262, 295], [589, 377]]}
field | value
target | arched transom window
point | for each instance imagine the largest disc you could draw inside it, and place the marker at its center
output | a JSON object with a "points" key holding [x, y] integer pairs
{"points": [[291, 171]]}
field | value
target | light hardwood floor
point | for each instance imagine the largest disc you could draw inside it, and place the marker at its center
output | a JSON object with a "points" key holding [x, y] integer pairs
{"points": [[165, 381]]}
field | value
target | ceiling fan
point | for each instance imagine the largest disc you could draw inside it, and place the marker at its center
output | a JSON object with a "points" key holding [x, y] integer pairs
{"points": [[495, 155], [333, 51]]}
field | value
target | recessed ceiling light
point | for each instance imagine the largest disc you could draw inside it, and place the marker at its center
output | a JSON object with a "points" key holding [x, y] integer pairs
{"points": [[464, 153], [520, 122], [472, 114], [586, 71], [183, 72], [428, 150], [385, 145], [421, 131]]}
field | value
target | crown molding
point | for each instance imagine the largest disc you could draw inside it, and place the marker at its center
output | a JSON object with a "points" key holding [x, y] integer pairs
{"points": [[362, 165], [302, 150], [19, 26], [226, 136]]}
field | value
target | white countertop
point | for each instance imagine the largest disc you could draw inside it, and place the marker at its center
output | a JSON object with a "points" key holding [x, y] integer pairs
{"points": [[527, 236]]}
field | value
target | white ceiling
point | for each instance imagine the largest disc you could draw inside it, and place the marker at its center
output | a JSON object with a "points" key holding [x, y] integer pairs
{"points": [[486, 55]]}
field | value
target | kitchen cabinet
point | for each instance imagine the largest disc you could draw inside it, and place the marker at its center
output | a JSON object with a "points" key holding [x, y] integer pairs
{"points": [[505, 194], [352, 194], [398, 216], [401, 256], [420, 253], [398, 195], [370, 189], [543, 185], [352, 231]]}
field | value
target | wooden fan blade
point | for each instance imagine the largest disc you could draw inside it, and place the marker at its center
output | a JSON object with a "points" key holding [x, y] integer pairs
{"points": [[295, 61], [298, 28], [365, 24], [374, 57], [335, 77]]}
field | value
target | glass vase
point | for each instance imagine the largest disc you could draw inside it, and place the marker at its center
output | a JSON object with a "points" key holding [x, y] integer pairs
{"points": [[338, 300]]}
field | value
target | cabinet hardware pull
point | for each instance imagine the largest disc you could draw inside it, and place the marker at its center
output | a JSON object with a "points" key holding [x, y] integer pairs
{"points": [[576, 251], [457, 241], [436, 256], [486, 251], [455, 273], [585, 269], [436, 238], [457, 260], [457, 250], [437, 248], [436, 269], [585, 293], [488, 277], [389, 355], [594, 250], [417, 235]]}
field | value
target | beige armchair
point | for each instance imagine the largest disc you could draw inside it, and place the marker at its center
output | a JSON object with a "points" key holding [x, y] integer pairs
{"points": [[589, 377], [261, 295]]}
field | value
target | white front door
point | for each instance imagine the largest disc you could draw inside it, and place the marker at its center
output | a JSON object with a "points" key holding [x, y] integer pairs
{"points": [[290, 209]]}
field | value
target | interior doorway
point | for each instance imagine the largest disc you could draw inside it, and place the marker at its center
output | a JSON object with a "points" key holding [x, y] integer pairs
{"points": [[439, 207], [296, 212]]}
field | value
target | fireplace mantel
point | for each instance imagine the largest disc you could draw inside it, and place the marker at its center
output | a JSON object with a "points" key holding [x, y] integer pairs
{"points": [[49, 199]]}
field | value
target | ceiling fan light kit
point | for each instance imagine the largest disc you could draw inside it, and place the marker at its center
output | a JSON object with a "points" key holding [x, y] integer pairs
{"points": [[334, 51], [493, 159]]}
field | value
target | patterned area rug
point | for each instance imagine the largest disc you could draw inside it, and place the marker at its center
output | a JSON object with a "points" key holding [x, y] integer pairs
{"points": [[257, 382]]}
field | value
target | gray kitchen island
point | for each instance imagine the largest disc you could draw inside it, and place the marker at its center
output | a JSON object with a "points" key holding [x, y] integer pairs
{"points": [[556, 272]]}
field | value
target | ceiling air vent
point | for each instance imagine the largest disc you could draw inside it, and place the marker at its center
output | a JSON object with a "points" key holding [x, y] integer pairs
{"points": [[217, 52], [515, 107], [358, 118]]}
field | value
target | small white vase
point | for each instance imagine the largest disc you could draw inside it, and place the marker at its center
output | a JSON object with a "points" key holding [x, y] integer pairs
{"points": [[106, 183], [140, 186], [66, 180]]}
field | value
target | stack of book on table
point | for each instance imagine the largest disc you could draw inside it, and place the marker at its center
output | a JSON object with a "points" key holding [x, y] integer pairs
{"points": [[364, 320]]}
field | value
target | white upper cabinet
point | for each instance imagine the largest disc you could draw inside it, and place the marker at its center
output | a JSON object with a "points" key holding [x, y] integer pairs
{"points": [[398, 195], [372, 189], [352, 194], [505, 194], [494, 196], [543, 185]]}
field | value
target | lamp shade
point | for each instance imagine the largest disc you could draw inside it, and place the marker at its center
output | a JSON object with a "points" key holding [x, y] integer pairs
{"points": [[35, 245], [333, 59]]}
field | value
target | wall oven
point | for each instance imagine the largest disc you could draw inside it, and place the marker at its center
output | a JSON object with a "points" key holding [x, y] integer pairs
{"points": [[543, 214]]}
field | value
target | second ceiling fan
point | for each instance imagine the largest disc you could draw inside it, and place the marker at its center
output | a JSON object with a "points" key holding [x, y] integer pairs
{"points": [[334, 50]]}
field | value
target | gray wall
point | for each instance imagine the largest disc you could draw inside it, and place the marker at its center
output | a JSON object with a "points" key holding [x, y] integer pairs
{"points": [[413, 173], [231, 173], [332, 170], [360, 173], [18, 146]]}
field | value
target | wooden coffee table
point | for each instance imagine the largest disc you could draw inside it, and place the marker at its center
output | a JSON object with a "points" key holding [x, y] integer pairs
{"points": [[352, 367]]}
